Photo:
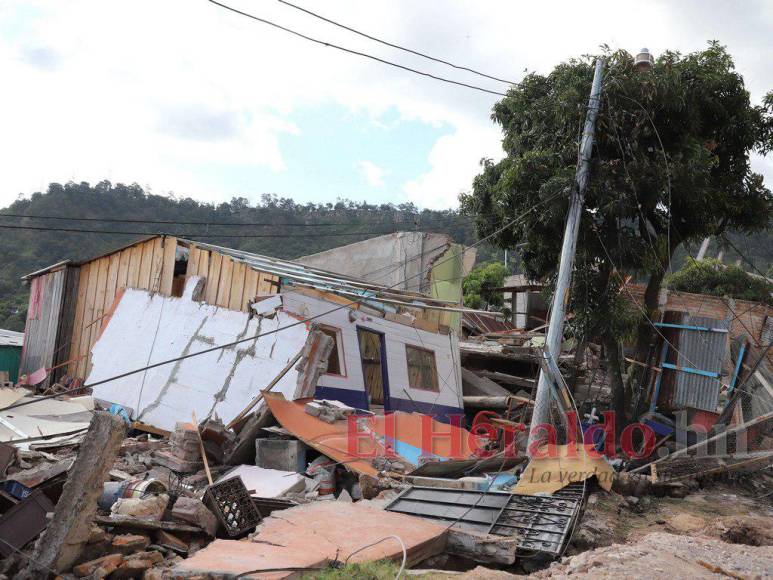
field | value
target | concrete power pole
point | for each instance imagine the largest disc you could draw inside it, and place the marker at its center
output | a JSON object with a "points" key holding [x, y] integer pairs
{"points": [[702, 250], [555, 334]]}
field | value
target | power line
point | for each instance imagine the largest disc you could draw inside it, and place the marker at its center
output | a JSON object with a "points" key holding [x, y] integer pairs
{"points": [[197, 235], [397, 46], [355, 52], [743, 257], [449, 220], [422, 254]]}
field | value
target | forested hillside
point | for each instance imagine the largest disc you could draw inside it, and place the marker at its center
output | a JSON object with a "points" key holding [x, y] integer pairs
{"points": [[290, 229], [274, 227]]}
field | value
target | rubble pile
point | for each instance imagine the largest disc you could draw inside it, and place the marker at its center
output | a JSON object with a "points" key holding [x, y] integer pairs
{"points": [[294, 468]]}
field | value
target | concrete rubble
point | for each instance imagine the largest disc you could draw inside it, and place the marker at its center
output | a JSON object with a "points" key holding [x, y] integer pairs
{"points": [[295, 480]]}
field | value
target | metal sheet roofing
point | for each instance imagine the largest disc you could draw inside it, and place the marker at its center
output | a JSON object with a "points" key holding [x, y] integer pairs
{"points": [[703, 350], [486, 323], [11, 338]]}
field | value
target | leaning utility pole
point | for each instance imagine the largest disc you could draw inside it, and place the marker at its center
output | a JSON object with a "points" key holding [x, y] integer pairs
{"points": [[545, 386]]}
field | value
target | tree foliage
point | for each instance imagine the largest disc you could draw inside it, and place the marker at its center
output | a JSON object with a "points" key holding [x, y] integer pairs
{"points": [[714, 278], [670, 165], [23, 251], [479, 283]]}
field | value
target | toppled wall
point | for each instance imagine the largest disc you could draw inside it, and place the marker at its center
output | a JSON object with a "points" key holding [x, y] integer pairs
{"points": [[146, 329], [402, 260]]}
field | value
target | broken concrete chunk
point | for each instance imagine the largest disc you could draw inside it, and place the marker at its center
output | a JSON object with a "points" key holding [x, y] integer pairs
{"points": [[105, 564], [168, 540], [130, 543], [328, 411], [135, 565], [149, 508], [281, 454], [193, 511]]}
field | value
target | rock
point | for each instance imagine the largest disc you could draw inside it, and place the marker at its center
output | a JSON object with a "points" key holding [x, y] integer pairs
{"points": [[193, 511], [104, 565], [130, 543], [370, 486]]}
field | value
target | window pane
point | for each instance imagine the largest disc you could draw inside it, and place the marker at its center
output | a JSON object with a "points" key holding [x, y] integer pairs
{"points": [[422, 371]]}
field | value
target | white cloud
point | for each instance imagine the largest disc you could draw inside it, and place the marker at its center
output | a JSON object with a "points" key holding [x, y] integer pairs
{"points": [[373, 174], [453, 165], [145, 91]]}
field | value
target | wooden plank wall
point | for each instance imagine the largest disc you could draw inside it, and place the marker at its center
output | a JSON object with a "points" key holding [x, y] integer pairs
{"points": [[147, 265], [228, 283]]}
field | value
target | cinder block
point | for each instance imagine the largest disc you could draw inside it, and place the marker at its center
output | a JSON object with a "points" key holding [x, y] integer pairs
{"points": [[283, 454]]}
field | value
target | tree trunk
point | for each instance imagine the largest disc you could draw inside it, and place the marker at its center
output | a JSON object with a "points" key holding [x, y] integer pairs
{"points": [[645, 330], [614, 369]]}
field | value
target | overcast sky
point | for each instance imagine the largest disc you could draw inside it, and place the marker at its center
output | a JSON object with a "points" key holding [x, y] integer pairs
{"points": [[182, 96]]}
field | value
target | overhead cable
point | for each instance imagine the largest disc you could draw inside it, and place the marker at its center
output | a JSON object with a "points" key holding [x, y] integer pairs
{"points": [[198, 235], [355, 52], [397, 46], [418, 221]]}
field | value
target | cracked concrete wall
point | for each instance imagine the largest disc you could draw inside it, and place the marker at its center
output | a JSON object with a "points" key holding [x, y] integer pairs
{"points": [[148, 329], [401, 260]]}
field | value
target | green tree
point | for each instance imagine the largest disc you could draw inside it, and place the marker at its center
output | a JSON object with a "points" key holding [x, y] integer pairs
{"points": [[479, 283], [714, 278], [670, 165]]}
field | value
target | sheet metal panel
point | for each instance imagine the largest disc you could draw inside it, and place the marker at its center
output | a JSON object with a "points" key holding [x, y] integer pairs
{"points": [[704, 350], [40, 333]]}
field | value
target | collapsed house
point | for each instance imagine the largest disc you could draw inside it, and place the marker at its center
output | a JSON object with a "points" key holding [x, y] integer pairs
{"points": [[392, 349], [208, 412]]}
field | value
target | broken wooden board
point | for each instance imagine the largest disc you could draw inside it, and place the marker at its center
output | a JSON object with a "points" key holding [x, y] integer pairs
{"points": [[314, 534], [130, 523], [559, 465]]}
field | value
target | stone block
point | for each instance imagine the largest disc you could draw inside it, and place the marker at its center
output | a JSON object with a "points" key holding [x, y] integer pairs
{"points": [[282, 454]]}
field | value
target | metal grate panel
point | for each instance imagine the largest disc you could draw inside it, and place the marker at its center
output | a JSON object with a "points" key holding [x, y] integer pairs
{"points": [[540, 523]]}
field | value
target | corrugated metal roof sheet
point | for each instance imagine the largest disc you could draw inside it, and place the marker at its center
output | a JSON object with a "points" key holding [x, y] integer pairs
{"points": [[11, 338], [486, 323], [307, 276], [704, 350]]}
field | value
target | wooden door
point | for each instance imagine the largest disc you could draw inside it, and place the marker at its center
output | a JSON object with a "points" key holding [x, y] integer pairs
{"points": [[371, 350]]}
